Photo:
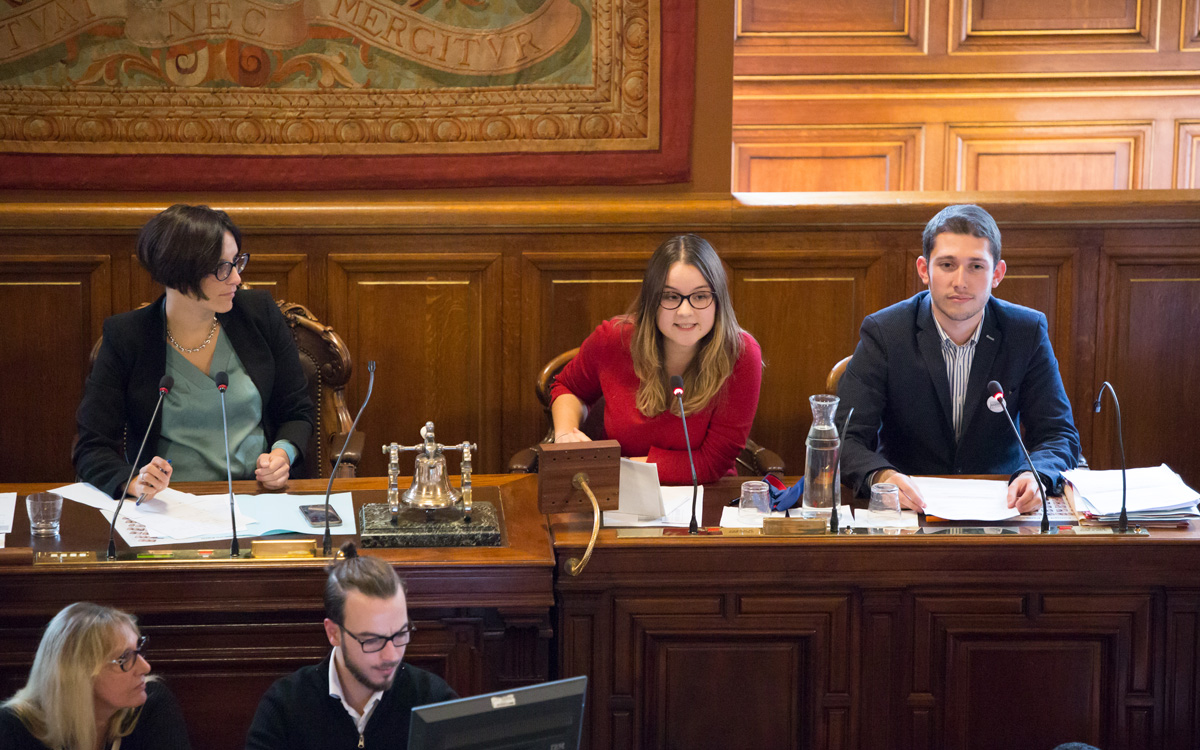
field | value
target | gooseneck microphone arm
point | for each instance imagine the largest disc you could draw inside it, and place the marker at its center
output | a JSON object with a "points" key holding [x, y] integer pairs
{"points": [[164, 387], [677, 390], [1123, 521], [327, 545], [997, 392], [222, 379]]}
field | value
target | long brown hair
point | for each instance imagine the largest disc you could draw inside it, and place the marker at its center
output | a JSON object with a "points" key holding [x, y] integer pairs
{"points": [[718, 351]]}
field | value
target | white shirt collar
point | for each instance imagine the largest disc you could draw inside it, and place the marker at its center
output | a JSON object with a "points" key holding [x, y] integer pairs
{"points": [[335, 691]]}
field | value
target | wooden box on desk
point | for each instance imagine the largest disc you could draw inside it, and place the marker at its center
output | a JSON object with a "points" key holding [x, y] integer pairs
{"points": [[558, 465]]}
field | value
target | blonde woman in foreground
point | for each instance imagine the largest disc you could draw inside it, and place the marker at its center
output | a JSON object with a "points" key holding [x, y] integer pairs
{"points": [[88, 690]]}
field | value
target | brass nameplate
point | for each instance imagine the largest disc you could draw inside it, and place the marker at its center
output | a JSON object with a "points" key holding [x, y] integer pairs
{"points": [[794, 526], [279, 549]]}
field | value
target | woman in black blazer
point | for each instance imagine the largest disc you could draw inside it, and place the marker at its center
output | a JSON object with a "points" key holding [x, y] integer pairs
{"points": [[203, 323]]}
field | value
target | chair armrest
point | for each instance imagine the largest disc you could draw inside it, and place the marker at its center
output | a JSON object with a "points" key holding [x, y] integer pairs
{"points": [[760, 460], [523, 462], [353, 456]]}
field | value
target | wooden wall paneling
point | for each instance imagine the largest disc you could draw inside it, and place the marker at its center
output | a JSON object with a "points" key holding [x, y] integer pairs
{"points": [[1187, 151], [432, 322], [1059, 156], [284, 275], [1074, 667], [783, 18], [751, 646], [814, 159], [768, 28], [1181, 697], [566, 294], [823, 297], [1152, 304], [883, 639], [1019, 135], [57, 304], [1050, 30], [1189, 25]]}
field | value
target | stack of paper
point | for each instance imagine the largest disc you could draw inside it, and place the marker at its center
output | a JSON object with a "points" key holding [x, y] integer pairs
{"points": [[1156, 495], [174, 517], [642, 501]]}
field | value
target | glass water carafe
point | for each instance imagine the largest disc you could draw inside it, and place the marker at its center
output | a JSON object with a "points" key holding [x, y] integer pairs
{"points": [[822, 458]]}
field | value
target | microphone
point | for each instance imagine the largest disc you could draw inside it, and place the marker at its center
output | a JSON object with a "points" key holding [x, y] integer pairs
{"points": [[677, 391], [327, 545], [222, 379], [1123, 521], [164, 387], [997, 392]]}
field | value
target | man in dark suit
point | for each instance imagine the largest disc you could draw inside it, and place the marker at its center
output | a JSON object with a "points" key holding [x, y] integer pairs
{"points": [[919, 376]]}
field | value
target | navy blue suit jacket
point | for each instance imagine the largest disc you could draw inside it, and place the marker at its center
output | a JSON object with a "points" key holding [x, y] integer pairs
{"points": [[898, 387]]}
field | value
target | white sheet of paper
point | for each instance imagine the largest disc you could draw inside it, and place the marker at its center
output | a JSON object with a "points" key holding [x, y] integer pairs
{"points": [[8, 507], [280, 513], [1151, 488], [678, 504], [966, 499], [639, 491], [181, 515], [84, 493]]}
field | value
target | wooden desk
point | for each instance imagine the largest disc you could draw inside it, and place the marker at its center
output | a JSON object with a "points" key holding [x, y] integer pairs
{"points": [[222, 630], [869, 642]]}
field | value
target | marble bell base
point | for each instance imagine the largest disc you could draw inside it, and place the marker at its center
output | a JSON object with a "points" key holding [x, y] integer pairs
{"points": [[439, 528]]}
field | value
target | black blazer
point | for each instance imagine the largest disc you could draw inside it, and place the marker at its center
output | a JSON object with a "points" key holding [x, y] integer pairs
{"points": [[122, 389], [898, 387]]}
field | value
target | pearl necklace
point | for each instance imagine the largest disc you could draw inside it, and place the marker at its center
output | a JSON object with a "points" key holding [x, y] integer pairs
{"points": [[175, 343]]}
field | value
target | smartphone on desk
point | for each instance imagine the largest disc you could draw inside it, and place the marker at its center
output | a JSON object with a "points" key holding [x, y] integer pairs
{"points": [[315, 515]]}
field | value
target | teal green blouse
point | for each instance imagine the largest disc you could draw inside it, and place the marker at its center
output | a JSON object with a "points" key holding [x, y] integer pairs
{"points": [[192, 438]]}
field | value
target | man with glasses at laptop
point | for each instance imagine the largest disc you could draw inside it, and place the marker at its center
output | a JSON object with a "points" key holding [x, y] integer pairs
{"points": [[362, 694]]}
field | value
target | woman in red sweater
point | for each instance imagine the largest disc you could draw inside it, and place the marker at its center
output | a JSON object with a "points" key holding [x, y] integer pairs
{"points": [[681, 324]]}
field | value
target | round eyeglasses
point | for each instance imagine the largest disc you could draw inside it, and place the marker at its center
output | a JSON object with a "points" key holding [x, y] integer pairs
{"points": [[371, 643], [225, 267], [698, 300], [126, 660]]}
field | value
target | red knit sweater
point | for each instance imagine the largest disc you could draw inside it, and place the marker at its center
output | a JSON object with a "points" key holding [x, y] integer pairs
{"points": [[604, 367]]}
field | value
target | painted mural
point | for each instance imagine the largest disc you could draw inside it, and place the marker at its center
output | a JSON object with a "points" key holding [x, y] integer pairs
{"points": [[328, 77]]}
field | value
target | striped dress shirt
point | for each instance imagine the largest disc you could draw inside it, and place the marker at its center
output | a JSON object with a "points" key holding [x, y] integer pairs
{"points": [[958, 370]]}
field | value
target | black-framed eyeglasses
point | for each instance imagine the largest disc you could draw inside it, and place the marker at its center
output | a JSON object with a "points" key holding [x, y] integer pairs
{"points": [[126, 660], [225, 267], [698, 300], [371, 643]]}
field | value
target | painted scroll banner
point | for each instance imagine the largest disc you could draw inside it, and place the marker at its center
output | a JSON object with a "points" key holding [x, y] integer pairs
{"points": [[339, 80]]}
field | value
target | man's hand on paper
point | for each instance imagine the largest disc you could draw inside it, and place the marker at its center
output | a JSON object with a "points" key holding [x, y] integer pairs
{"points": [[1023, 493], [910, 495]]}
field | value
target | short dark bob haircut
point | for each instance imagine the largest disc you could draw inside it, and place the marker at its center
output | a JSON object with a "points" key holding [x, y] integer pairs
{"points": [[963, 219], [182, 245]]}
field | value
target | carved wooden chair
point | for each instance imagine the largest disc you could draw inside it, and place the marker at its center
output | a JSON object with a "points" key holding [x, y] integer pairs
{"points": [[754, 460], [835, 376], [325, 359]]}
